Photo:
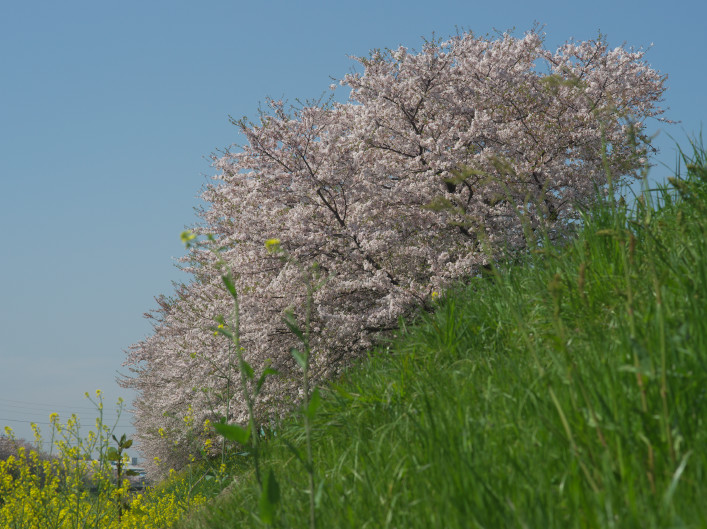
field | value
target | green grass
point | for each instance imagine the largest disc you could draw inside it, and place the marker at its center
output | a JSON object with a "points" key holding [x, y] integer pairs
{"points": [[566, 390]]}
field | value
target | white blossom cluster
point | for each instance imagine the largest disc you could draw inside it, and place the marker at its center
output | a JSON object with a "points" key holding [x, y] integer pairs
{"points": [[440, 161]]}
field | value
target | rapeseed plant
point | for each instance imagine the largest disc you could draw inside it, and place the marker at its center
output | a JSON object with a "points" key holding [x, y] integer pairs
{"points": [[70, 489]]}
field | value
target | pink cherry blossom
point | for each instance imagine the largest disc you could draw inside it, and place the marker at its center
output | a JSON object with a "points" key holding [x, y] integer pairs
{"points": [[440, 162]]}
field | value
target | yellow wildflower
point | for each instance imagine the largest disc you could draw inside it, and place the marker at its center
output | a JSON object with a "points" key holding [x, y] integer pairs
{"points": [[186, 237], [272, 245]]}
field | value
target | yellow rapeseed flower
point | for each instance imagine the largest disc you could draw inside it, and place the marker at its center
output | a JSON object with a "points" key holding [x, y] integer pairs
{"points": [[186, 237], [272, 245]]}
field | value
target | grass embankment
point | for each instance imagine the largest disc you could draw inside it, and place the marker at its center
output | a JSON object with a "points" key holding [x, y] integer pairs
{"points": [[569, 390]]}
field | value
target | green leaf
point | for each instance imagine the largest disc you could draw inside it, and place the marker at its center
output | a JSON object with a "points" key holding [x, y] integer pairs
{"points": [[266, 372], [291, 322], [668, 496], [112, 454], [300, 358], [230, 286], [318, 495], [233, 432], [247, 370], [314, 402], [127, 444], [269, 498], [131, 473], [294, 451], [341, 391], [439, 204]]}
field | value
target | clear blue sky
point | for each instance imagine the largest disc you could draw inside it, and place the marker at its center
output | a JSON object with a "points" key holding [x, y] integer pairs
{"points": [[109, 110]]}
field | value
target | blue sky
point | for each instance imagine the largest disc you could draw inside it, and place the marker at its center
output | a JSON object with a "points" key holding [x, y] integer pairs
{"points": [[108, 114]]}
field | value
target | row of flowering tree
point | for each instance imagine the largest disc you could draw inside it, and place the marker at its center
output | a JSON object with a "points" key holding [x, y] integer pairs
{"points": [[439, 162]]}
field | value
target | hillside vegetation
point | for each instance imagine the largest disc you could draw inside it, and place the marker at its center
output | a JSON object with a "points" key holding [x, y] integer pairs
{"points": [[565, 389]]}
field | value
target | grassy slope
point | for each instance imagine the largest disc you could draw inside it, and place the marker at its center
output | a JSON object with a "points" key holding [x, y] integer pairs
{"points": [[567, 391]]}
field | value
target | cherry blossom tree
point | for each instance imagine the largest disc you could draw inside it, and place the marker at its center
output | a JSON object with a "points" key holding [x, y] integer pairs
{"points": [[440, 162]]}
